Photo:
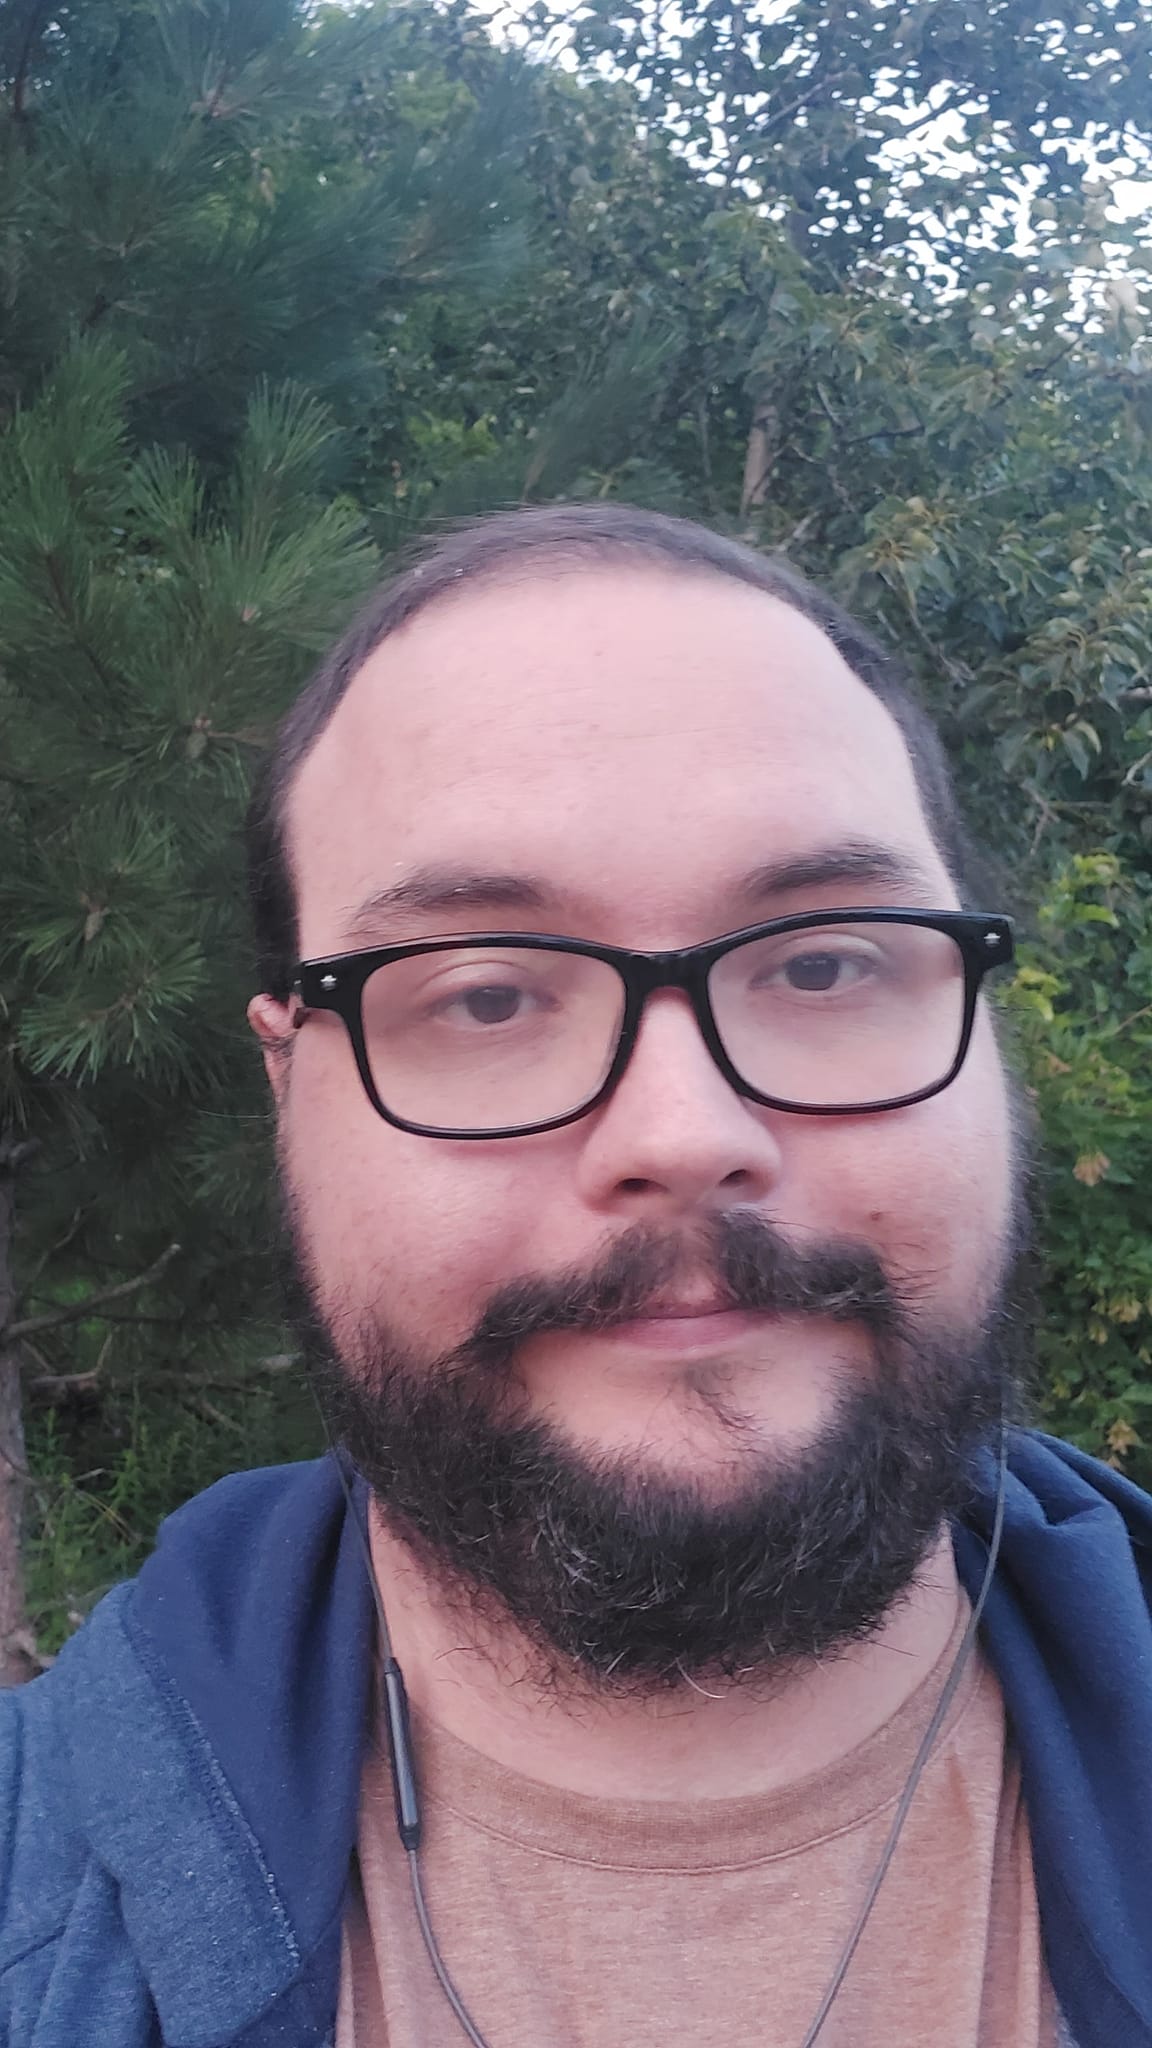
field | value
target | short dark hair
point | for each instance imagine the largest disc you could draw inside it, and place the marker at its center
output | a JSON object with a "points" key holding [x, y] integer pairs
{"points": [[496, 547]]}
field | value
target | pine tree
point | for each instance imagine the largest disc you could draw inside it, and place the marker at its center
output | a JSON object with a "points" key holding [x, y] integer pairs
{"points": [[195, 282], [152, 627]]}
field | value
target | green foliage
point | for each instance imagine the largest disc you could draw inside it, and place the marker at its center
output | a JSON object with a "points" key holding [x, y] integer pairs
{"points": [[162, 188], [149, 632], [101, 1491], [284, 284], [1082, 1004], [811, 107]]}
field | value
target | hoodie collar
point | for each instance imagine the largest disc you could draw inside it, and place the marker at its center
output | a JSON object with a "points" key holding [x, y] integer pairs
{"points": [[254, 1619], [1068, 1631]]}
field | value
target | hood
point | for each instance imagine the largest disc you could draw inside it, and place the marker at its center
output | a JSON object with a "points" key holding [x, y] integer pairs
{"points": [[1068, 1631], [253, 1623]]}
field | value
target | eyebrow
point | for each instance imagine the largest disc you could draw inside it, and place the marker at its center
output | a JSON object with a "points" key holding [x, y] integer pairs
{"points": [[437, 891], [851, 860], [434, 890]]}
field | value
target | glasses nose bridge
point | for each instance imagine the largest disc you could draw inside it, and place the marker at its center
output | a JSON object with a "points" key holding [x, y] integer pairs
{"points": [[685, 969]]}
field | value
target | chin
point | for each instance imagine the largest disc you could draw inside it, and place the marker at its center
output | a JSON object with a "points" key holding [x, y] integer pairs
{"points": [[716, 1450]]}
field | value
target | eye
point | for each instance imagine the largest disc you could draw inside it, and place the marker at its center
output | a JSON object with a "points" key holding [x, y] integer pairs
{"points": [[817, 973], [491, 1005]]}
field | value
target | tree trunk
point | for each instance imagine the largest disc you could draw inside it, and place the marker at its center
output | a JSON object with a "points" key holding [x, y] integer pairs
{"points": [[760, 455], [17, 1658]]}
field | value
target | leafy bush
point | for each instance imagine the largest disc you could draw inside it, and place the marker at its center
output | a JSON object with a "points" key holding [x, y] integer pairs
{"points": [[1082, 1006]]}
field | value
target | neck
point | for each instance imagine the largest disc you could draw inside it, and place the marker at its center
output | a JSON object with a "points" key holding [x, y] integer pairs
{"points": [[688, 1744]]}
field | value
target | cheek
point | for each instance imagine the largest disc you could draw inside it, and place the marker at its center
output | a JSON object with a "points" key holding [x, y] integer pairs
{"points": [[420, 1229], [929, 1187]]}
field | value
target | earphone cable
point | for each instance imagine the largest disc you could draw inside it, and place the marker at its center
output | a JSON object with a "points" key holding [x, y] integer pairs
{"points": [[436, 1959], [959, 1666], [408, 1816]]}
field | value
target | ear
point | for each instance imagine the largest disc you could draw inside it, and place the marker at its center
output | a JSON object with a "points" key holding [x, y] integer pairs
{"points": [[272, 1023]]}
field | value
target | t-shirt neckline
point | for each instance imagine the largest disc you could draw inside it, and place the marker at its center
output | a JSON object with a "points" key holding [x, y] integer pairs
{"points": [[699, 1835]]}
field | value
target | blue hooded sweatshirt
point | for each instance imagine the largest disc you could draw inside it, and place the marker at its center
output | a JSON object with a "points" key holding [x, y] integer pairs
{"points": [[178, 1795]]}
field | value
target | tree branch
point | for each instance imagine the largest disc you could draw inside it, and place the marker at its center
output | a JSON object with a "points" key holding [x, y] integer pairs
{"points": [[761, 454], [57, 1387], [15, 1466], [954, 99], [877, 434], [50, 1252], [79, 1311], [732, 138], [15, 1153], [885, 434], [36, 21], [805, 99], [66, 613], [1134, 1018], [209, 1412]]}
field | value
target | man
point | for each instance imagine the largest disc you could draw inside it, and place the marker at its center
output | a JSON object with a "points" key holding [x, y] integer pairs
{"points": [[655, 1187]]}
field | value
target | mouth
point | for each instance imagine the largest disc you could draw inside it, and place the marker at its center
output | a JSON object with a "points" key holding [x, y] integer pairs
{"points": [[685, 1307], [685, 1326]]}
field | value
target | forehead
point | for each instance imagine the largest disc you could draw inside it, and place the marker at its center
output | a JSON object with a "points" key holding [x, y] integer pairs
{"points": [[634, 738]]}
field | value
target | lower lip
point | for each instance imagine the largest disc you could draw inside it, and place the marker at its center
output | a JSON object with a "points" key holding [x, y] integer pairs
{"points": [[684, 1333]]}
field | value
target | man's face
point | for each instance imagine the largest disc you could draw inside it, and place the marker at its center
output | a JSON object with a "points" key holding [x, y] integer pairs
{"points": [[616, 756]]}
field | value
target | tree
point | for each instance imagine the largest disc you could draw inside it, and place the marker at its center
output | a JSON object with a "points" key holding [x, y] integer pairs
{"points": [[730, 267], [177, 546], [911, 350], [851, 282], [866, 130], [150, 628]]}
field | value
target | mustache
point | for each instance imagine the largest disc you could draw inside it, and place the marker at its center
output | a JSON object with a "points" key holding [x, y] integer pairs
{"points": [[748, 1261]]}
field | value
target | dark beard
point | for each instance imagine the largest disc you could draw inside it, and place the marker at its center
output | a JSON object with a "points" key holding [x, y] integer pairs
{"points": [[621, 1579]]}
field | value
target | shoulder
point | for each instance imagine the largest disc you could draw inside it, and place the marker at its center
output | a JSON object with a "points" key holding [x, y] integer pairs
{"points": [[156, 1777], [66, 1738], [47, 1869], [1060, 1496], [227, 1539], [61, 1928]]}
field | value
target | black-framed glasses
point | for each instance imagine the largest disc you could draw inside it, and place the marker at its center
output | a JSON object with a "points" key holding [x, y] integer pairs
{"points": [[500, 1034]]}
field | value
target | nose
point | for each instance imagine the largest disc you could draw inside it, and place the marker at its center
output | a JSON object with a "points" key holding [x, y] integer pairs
{"points": [[674, 1136]]}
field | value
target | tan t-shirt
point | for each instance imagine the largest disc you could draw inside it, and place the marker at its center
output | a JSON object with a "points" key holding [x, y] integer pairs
{"points": [[569, 1922]]}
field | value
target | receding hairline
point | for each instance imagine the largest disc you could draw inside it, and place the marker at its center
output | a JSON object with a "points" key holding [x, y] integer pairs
{"points": [[348, 745], [565, 565], [534, 543], [523, 545]]}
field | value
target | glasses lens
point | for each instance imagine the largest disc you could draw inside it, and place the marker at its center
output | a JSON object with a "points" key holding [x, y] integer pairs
{"points": [[486, 1038], [844, 1014]]}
